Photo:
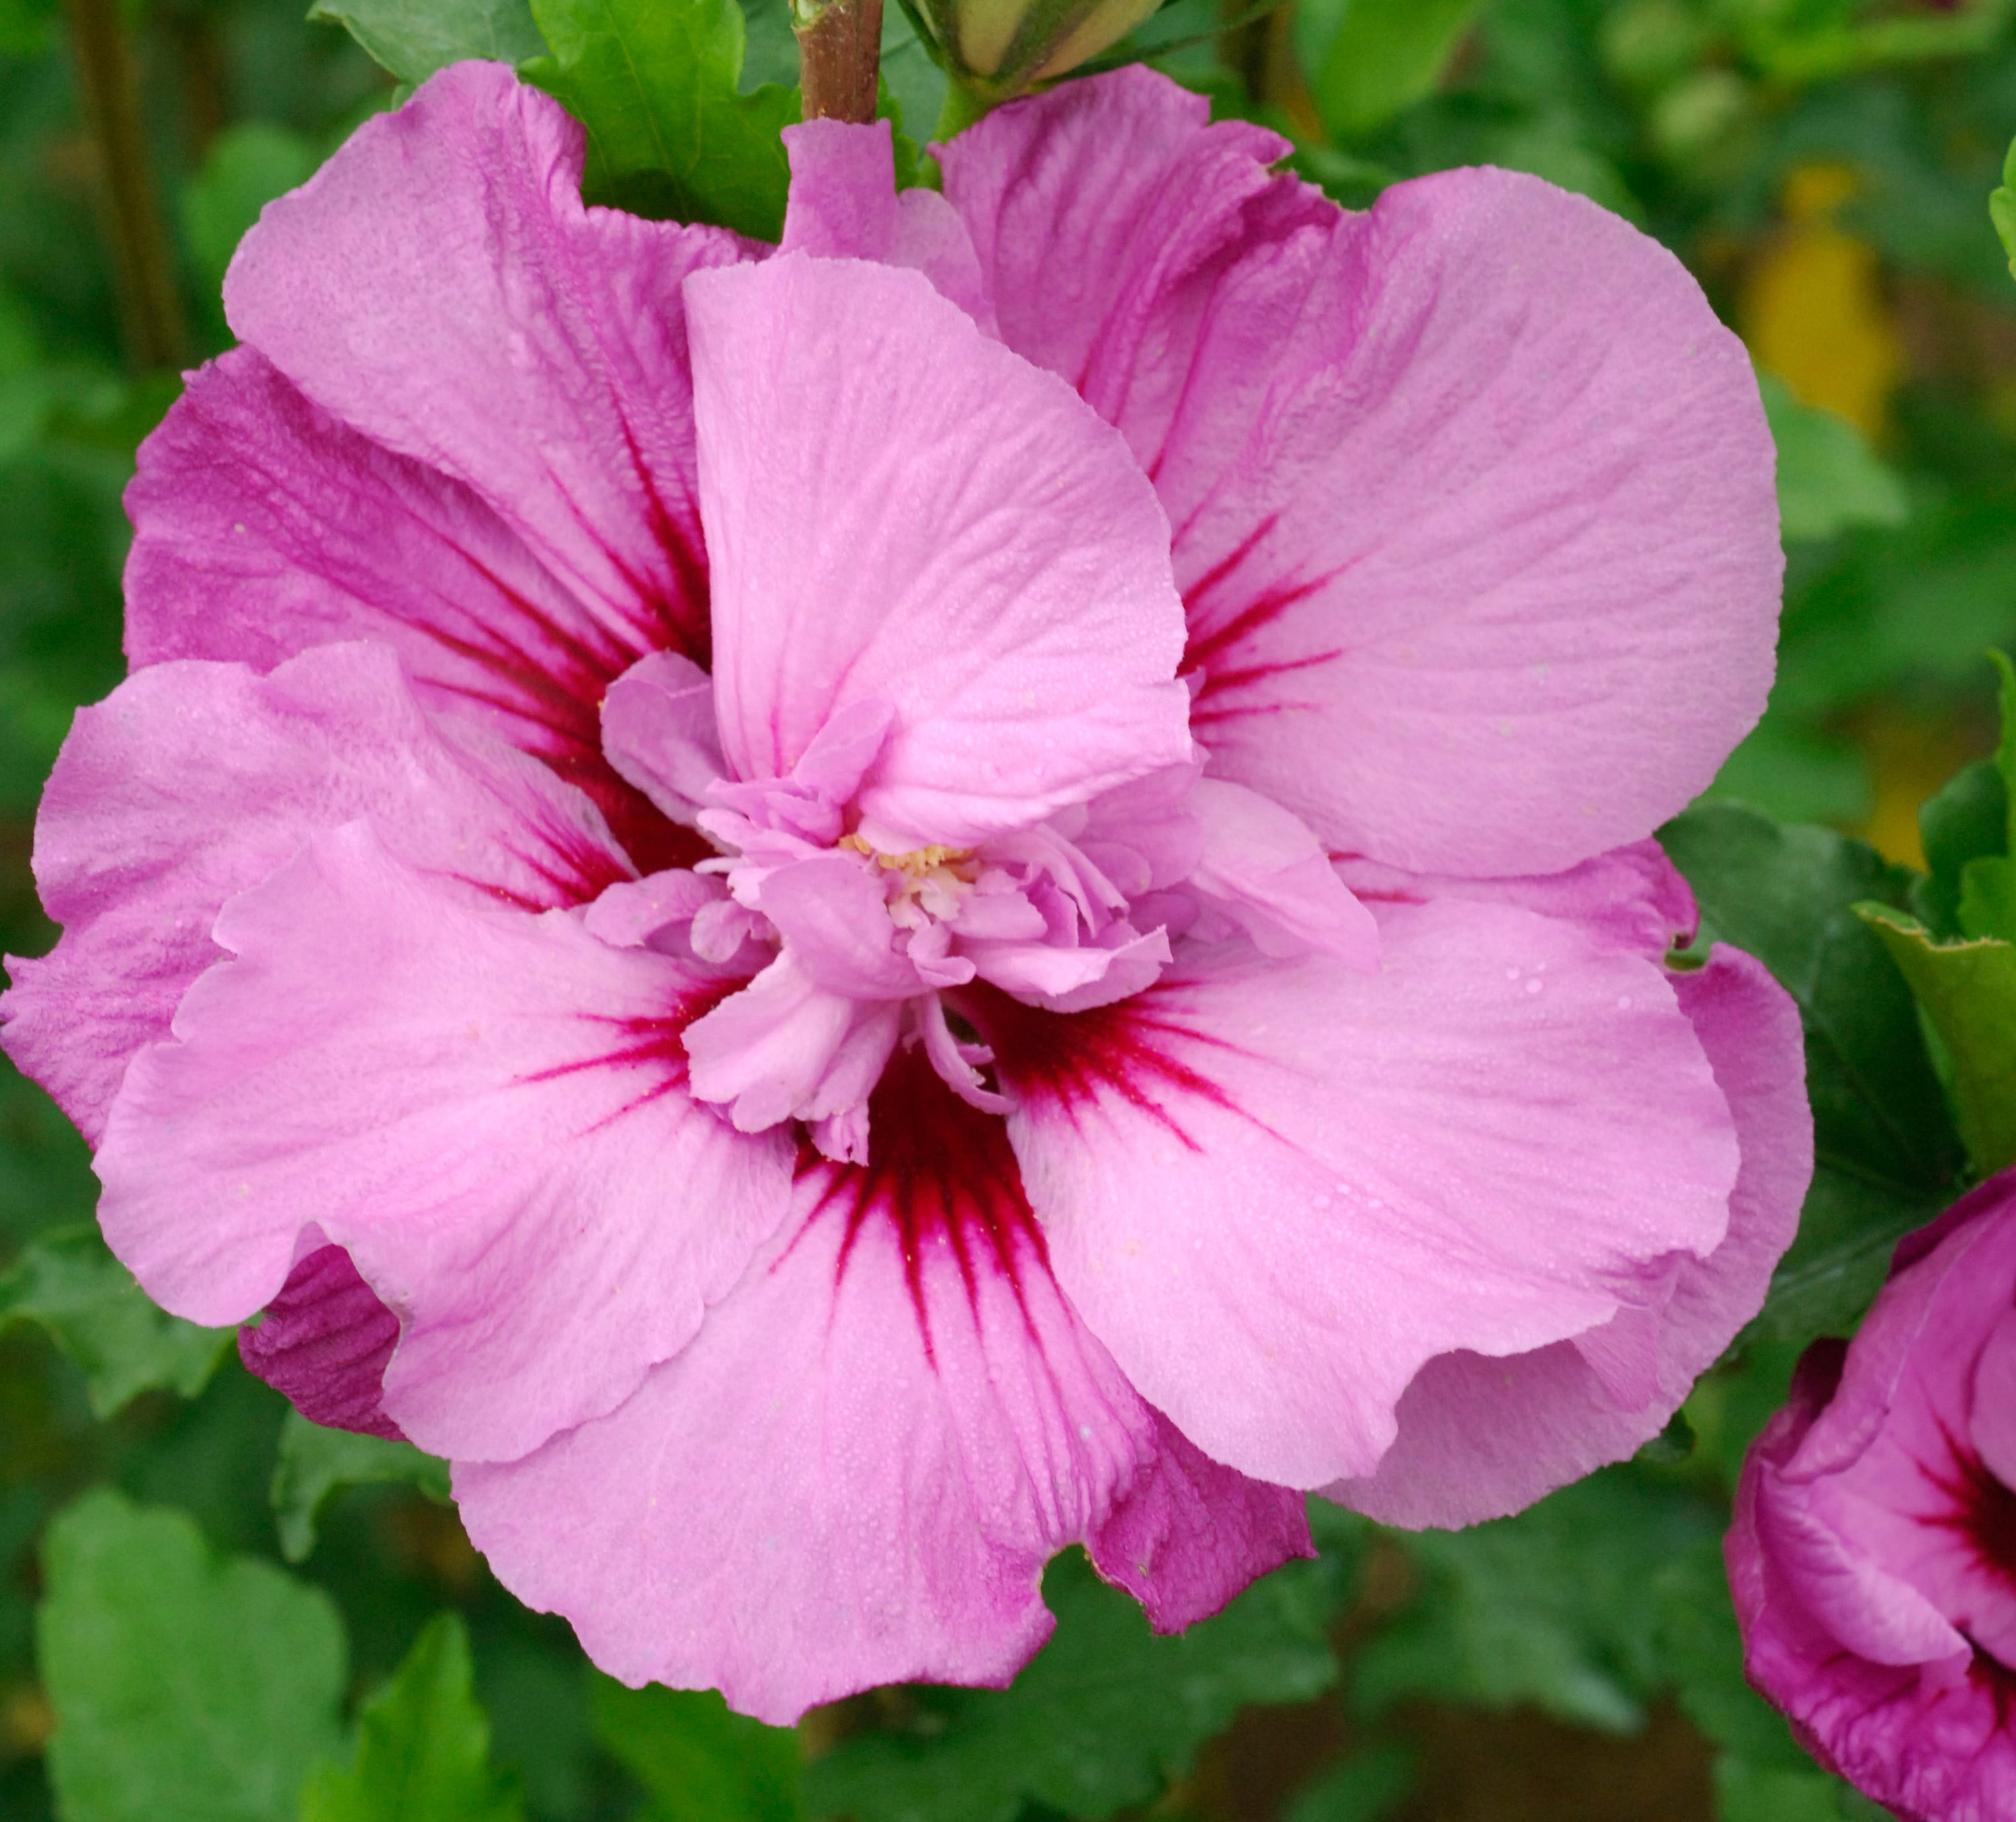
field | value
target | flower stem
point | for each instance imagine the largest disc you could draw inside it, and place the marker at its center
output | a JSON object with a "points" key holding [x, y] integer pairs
{"points": [[839, 51], [150, 303]]}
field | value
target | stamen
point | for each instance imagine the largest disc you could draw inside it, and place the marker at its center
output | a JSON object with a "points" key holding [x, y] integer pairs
{"points": [[916, 862]]}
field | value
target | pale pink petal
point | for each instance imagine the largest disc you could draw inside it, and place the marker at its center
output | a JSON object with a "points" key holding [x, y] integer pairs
{"points": [[898, 508], [855, 1472], [438, 285], [1472, 494], [1262, 866], [263, 526], [831, 912], [785, 1047], [844, 205], [193, 781], [631, 913], [658, 731], [486, 1109], [1069, 980], [1275, 1190], [1480, 1437], [324, 1343]]}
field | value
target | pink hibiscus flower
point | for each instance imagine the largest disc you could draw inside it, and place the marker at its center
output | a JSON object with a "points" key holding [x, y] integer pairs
{"points": [[842, 915], [1873, 1553]]}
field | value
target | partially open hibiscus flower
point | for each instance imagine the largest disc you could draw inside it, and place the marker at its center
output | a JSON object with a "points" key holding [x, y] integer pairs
{"points": [[842, 915]]}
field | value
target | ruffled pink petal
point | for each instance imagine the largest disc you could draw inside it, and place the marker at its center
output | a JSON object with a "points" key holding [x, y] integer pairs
{"points": [[1481, 1437], [486, 1110], [896, 507], [854, 1474], [1192, 1533], [658, 731], [324, 1343], [1276, 1189], [844, 205], [786, 1048], [1261, 865], [1472, 496], [439, 286], [194, 781], [263, 526]]}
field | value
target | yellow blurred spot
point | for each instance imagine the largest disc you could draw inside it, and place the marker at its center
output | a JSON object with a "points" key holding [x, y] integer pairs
{"points": [[1910, 757], [27, 1720], [1812, 308]]}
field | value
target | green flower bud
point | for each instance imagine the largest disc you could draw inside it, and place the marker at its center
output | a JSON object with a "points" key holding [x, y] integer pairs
{"points": [[997, 49]]}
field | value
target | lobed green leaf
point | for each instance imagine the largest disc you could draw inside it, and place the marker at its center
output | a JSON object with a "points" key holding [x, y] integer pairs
{"points": [[1104, 1716], [697, 1760], [413, 38], [315, 1461], [1829, 478], [186, 1688], [69, 1282], [1887, 1156], [655, 82], [1547, 1607], [422, 1747]]}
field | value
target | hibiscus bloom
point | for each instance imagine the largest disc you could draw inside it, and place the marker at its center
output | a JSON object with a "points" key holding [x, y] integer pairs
{"points": [[842, 914], [1873, 1552]]}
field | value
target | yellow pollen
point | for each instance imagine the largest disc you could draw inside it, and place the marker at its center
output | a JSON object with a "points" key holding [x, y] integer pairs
{"points": [[917, 862]]}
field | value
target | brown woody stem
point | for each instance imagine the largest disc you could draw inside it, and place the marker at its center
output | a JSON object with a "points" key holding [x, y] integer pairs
{"points": [[150, 304], [840, 51]]}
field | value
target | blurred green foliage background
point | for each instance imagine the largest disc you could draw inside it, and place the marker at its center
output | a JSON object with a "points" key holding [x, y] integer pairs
{"points": [[203, 1597]]}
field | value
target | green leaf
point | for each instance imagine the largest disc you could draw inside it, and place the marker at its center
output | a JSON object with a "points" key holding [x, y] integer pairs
{"points": [[1702, 1650], [1887, 1158], [186, 1688], [413, 38], [422, 1747], [1795, 775], [1829, 478], [245, 168], [1371, 58], [1102, 1717], [1968, 991], [1548, 1607], [1734, 1401], [69, 1284], [315, 1461], [2002, 208], [1367, 1787], [1967, 819], [654, 82], [697, 1761]]}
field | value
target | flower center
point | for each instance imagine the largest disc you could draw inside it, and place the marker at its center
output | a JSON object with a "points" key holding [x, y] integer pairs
{"points": [[930, 880]]}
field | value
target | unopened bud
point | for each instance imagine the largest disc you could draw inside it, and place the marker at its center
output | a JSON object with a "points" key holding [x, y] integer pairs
{"points": [[997, 49]]}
